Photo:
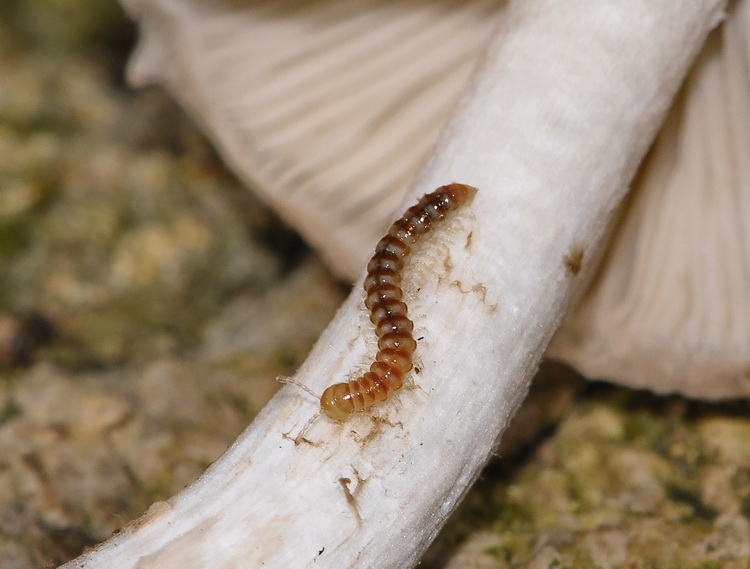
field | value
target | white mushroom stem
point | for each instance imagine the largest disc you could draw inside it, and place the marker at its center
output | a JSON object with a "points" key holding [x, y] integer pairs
{"points": [[564, 106]]}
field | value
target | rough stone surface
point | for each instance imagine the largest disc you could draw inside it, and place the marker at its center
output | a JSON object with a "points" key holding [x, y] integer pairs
{"points": [[626, 480], [147, 301]]}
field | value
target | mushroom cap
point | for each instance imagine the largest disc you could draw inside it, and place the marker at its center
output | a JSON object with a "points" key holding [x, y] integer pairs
{"points": [[328, 110]]}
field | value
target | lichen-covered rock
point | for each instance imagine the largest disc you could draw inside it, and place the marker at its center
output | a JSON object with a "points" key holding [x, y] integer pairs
{"points": [[627, 480]]}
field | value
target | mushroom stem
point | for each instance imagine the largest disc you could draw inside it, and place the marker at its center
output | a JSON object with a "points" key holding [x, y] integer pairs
{"points": [[562, 109]]}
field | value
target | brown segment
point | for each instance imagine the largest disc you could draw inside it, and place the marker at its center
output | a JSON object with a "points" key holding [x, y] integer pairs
{"points": [[402, 231], [388, 312], [402, 340], [399, 323], [397, 359], [384, 276], [393, 379], [385, 260], [392, 245], [381, 292]]}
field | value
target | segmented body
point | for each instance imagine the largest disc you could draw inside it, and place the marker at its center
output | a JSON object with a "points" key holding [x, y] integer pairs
{"points": [[388, 312]]}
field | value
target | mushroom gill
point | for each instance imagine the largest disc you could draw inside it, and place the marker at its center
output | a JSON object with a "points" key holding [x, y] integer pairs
{"points": [[669, 309], [329, 108]]}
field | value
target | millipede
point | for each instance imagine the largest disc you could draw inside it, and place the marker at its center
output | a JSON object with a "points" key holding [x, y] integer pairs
{"points": [[388, 311]]}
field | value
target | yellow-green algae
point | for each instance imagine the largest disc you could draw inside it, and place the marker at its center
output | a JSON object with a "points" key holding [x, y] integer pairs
{"points": [[628, 480]]}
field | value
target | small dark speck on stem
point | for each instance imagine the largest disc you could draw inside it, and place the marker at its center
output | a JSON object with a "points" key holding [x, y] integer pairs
{"points": [[573, 261]]}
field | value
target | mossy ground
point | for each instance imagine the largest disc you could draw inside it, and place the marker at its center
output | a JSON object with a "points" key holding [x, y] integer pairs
{"points": [[173, 297]]}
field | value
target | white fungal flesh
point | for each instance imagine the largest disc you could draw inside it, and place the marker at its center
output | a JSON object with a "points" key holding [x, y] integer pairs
{"points": [[563, 108]]}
